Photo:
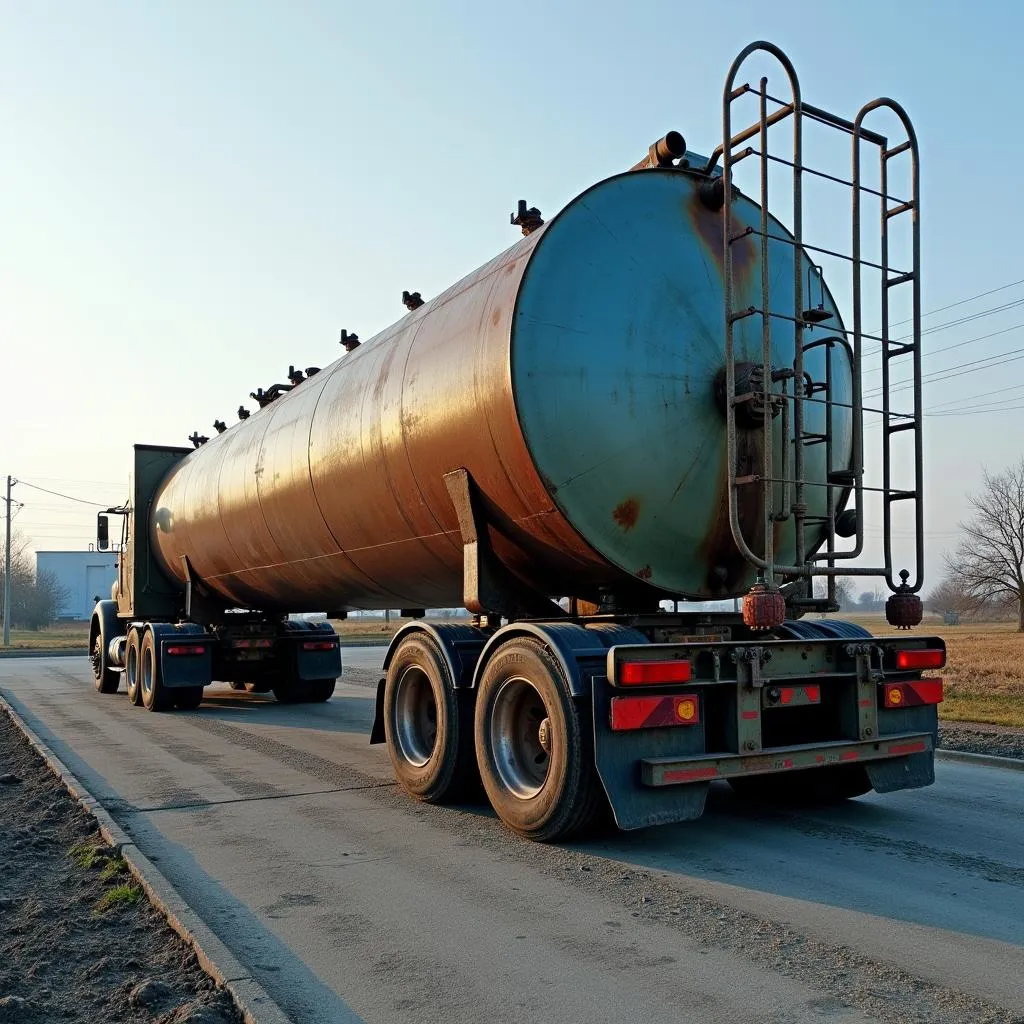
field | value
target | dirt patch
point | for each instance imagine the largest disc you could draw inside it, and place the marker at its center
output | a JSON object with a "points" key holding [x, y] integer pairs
{"points": [[79, 941]]}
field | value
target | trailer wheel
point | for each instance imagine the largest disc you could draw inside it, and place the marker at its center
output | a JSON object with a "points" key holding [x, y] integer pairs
{"points": [[320, 690], [427, 727], [155, 696], [132, 667], [533, 745], [809, 787], [291, 691], [188, 698], [104, 678]]}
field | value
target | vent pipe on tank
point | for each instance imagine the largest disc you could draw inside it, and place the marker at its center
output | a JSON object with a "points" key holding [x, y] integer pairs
{"points": [[663, 152], [349, 341], [412, 300], [527, 219]]}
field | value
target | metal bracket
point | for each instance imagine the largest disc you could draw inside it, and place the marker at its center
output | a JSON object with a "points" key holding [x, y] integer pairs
{"points": [[200, 607], [488, 587], [867, 688]]}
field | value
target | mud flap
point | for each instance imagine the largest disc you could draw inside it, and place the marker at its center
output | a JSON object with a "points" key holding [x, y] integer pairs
{"points": [[910, 772], [618, 756], [377, 732]]}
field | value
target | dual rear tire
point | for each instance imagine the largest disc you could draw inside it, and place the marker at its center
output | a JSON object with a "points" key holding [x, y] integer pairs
{"points": [[525, 738]]}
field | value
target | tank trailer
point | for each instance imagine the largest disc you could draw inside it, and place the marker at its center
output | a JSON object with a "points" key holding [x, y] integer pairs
{"points": [[651, 400]]}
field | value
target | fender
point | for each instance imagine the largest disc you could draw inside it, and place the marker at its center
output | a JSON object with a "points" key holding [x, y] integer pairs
{"points": [[460, 646], [581, 653]]}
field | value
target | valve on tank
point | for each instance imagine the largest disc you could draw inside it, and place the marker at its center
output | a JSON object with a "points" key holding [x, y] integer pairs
{"points": [[220, 426], [349, 341], [527, 219], [295, 376], [412, 300], [197, 439], [266, 397], [243, 413], [311, 371]]}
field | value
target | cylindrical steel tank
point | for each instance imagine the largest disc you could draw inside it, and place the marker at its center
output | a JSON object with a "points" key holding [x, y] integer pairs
{"points": [[573, 376]]}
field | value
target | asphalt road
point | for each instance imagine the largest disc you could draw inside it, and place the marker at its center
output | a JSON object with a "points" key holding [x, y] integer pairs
{"points": [[283, 828]]}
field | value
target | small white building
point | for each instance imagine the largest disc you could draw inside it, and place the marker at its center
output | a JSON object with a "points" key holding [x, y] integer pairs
{"points": [[84, 575]]}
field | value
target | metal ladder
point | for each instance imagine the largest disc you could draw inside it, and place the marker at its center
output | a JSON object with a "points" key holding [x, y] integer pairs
{"points": [[753, 141]]}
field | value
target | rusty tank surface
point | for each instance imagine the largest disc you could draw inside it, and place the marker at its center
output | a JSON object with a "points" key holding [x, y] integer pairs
{"points": [[577, 378]]}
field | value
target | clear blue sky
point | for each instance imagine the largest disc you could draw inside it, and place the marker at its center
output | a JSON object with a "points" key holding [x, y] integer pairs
{"points": [[194, 195]]}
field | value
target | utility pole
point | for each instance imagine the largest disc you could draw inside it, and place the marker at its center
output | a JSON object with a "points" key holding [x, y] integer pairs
{"points": [[7, 566]]}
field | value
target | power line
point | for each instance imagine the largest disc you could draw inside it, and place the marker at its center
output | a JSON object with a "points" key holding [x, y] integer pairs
{"points": [[962, 302], [983, 394], [81, 501], [959, 344], [946, 374]]}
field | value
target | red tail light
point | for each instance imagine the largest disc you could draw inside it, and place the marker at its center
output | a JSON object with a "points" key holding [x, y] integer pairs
{"points": [[179, 649], [654, 712], [924, 657], [319, 645], [642, 673], [909, 695]]}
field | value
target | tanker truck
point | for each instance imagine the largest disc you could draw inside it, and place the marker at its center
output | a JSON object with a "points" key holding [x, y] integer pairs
{"points": [[651, 403]]}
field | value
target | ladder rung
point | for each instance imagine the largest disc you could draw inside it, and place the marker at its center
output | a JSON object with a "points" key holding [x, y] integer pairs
{"points": [[902, 208], [742, 314], [896, 150], [810, 438], [901, 279], [842, 476], [901, 496], [905, 425], [898, 350], [753, 478]]}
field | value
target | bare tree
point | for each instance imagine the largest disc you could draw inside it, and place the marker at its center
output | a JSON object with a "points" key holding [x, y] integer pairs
{"points": [[35, 597], [988, 564], [950, 598]]}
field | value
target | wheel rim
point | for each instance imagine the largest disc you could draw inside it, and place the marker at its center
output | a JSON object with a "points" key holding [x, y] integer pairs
{"points": [[520, 738], [415, 716], [147, 671], [131, 666], [97, 656]]}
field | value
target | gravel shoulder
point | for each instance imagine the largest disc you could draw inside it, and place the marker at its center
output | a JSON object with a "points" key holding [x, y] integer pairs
{"points": [[79, 942], [1001, 740]]}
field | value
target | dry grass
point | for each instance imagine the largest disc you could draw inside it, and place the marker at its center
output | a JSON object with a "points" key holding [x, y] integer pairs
{"points": [[57, 637], [984, 671]]}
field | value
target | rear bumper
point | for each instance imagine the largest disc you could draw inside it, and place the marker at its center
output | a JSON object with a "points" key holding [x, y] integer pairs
{"points": [[673, 771]]}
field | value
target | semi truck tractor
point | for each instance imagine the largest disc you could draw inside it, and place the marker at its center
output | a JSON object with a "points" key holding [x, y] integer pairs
{"points": [[632, 447]]}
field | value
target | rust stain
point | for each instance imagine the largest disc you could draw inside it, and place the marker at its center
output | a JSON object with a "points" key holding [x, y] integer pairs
{"points": [[496, 317], [645, 573], [626, 513], [708, 225]]}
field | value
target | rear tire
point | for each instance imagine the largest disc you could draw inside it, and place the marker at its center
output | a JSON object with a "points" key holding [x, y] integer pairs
{"points": [[534, 746], [321, 690], [155, 696], [813, 786], [132, 667], [189, 698], [427, 726], [292, 692]]}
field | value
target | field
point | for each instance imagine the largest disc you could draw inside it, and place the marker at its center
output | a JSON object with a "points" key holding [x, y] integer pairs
{"points": [[984, 676]]}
